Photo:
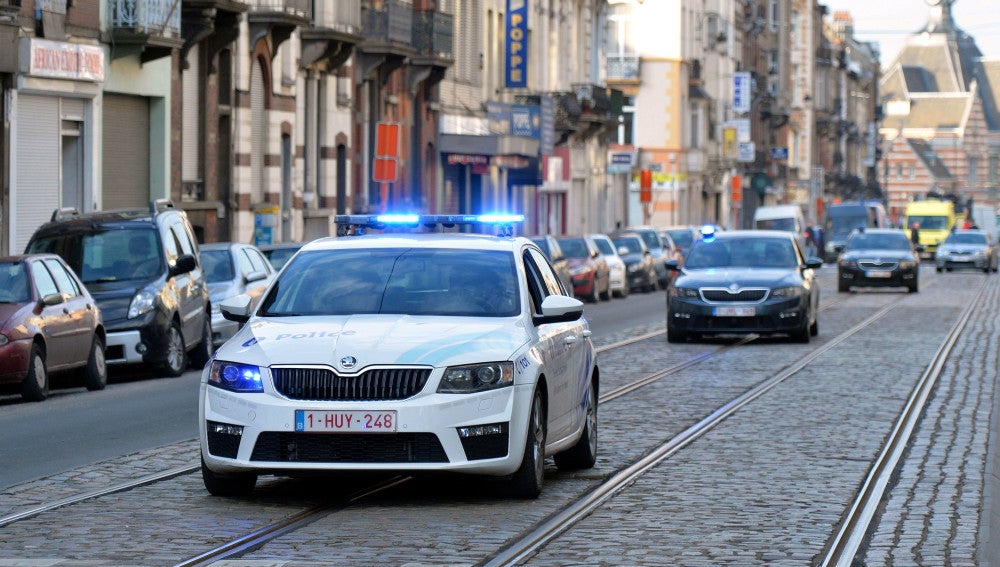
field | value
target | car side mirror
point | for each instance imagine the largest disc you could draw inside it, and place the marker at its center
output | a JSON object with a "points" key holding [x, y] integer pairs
{"points": [[838, 248], [255, 276], [236, 308], [52, 299], [672, 264], [559, 309], [185, 264]]}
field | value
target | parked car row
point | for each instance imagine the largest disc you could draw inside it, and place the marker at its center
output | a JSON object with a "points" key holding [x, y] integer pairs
{"points": [[595, 267], [120, 287]]}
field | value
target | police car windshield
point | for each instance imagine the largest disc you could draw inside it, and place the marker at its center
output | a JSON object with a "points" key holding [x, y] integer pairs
{"points": [[410, 281], [966, 238], [742, 253]]}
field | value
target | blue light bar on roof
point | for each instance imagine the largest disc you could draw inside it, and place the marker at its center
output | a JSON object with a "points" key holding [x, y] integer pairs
{"points": [[347, 223]]}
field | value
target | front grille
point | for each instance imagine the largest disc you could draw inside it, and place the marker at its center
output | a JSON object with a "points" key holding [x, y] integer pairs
{"points": [[726, 295], [873, 265], [325, 384], [276, 446]]}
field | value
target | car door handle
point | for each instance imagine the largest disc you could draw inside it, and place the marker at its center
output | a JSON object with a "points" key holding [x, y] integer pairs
{"points": [[570, 339]]}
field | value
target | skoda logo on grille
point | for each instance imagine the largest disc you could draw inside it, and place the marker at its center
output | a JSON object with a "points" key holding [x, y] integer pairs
{"points": [[734, 287], [348, 362]]}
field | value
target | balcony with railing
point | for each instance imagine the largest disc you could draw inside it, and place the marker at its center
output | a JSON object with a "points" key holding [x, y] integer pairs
{"points": [[387, 25], [336, 30], [433, 34], [623, 67], [341, 15], [149, 27], [298, 10]]}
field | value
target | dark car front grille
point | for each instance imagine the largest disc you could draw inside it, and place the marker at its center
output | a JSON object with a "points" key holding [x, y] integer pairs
{"points": [[726, 295], [277, 446], [325, 384], [879, 265]]}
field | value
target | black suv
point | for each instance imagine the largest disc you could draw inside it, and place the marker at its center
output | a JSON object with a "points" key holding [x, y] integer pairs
{"points": [[143, 270]]}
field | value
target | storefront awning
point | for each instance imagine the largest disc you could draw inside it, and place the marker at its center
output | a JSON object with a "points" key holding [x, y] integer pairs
{"points": [[490, 145]]}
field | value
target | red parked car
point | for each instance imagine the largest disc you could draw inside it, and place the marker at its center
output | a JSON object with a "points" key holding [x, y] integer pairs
{"points": [[48, 323], [589, 270]]}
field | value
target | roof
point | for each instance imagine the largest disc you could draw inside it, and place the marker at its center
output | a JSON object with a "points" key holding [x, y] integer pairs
{"points": [[988, 76], [454, 240], [938, 111]]}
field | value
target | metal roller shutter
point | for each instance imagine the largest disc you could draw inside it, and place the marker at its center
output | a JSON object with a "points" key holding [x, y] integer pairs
{"points": [[36, 190], [125, 151]]}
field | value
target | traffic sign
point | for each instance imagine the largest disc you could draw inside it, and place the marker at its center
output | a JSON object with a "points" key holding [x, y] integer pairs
{"points": [[384, 170]]}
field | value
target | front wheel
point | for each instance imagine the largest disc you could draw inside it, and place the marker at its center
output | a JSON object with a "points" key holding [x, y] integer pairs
{"points": [[176, 360], [583, 454], [35, 387], [227, 484], [527, 480], [95, 374]]}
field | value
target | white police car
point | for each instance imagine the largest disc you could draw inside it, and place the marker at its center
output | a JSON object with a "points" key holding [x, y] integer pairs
{"points": [[404, 351]]}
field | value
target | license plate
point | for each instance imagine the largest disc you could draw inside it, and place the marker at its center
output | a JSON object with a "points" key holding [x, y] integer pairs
{"points": [[878, 274], [735, 311], [350, 421]]}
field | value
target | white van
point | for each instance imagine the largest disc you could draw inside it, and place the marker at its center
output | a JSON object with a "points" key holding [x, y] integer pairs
{"points": [[985, 218], [782, 217]]}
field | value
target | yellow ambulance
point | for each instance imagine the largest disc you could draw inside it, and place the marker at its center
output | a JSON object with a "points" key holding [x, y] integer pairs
{"points": [[933, 220]]}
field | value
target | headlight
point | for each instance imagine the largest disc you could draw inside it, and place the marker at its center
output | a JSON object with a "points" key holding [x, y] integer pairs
{"points": [[787, 292], [979, 253], [143, 302], [476, 378], [683, 292], [633, 267], [235, 376], [3, 339], [847, 263], [579, 270], [907, 265]]}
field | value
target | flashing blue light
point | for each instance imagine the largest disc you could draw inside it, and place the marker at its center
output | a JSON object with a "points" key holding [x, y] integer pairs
{"points": [[236, 377], [708, 233], [500, 218], [398, 219]]}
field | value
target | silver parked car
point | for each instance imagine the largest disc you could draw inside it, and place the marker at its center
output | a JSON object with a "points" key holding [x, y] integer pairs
{"points": [[233, 268], [973, 249]]}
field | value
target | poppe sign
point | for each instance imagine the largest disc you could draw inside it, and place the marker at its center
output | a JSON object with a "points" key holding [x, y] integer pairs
{"points": [[516, 44]]}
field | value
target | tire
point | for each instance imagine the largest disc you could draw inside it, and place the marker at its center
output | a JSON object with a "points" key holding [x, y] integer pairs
{"points": [[241, 484], [625, 290], [843, 287], [95, 374], [938, 270], [914, 286], [35, 386], [675, 336], [594, 297], [583, 454], [814, 328], [606, 294], [801, 335], [203, 352], [526, 482], [176, 361]]}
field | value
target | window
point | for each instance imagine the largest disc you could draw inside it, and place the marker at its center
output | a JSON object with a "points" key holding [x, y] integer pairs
{"points": [[913, 171], [973, 169], [899, 171], [67, 286], [994, 168], [43, 280], [774, 15]]}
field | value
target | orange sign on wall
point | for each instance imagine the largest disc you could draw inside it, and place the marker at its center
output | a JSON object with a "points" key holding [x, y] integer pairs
{"points": [[736, 187], [384, 168], [645, 186]]}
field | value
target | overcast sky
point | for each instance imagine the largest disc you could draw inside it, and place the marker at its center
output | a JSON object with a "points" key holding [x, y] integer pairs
{"points": [[889, 22]]}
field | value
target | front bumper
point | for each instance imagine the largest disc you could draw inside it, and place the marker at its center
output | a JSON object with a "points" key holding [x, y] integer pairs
{"points": [[862, 278], [945, 260], [139, 340], [14, 358], [771, 316], [426, 439]]}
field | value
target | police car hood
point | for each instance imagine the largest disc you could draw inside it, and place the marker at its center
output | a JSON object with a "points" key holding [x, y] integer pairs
{"points": [[877, 253], [352, 342]]}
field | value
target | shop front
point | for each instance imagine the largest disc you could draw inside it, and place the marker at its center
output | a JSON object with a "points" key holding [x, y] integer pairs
{"points": [[53, 114]]}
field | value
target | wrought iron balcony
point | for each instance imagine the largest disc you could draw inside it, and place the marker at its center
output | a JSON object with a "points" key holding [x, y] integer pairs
{"points": [[280, 9], [595, 100], [146, 17], [388, 22], [433, 33], [9, 10], [150, 28], [342, 15], [623, 67]]}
